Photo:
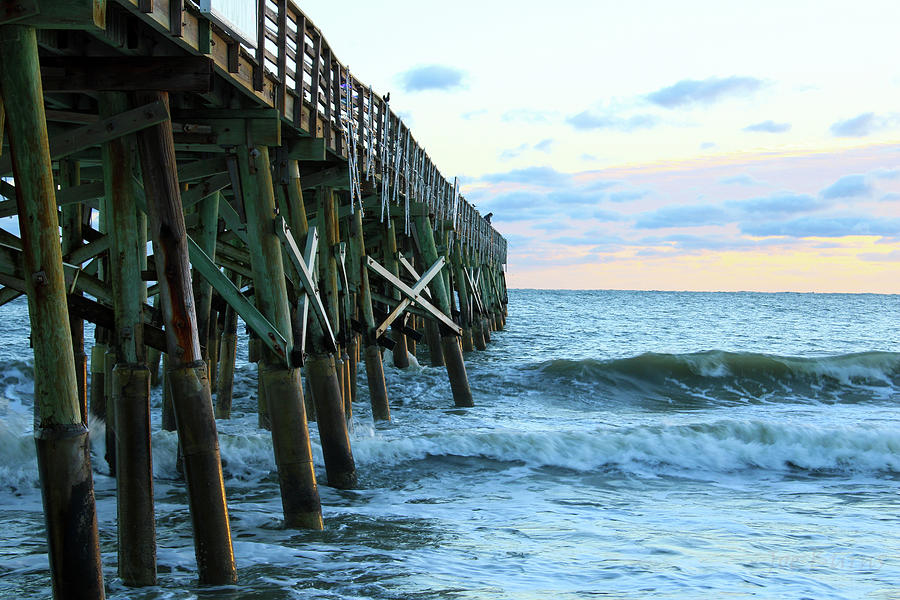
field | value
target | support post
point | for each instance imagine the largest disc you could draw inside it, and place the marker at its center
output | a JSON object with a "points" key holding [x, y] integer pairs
{"points": [[378, 395], [191, 395], [392, 263], [61, 435], [452, 351], [228, 355], [130, 382], [322, 366], [72, 239], [284, 393]]}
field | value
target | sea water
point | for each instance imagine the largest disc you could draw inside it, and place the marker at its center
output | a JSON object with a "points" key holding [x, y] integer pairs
{"points": [[623, 444]]}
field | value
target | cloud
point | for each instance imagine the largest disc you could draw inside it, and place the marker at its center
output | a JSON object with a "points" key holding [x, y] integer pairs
{"points": [[885, 173], [683, 216], [848, 186], [588, 157], [779, 204], [694, 243], [471, 114], [690, 92], [881, 257], [528, 115], [824, 227], [890, 197], [608, 215], [587, 120], [627, 195], [510, 153], [742, 179], [860, 125], [769, 127], [708, 145], [432, 77], [542, 176], [544, 145]]}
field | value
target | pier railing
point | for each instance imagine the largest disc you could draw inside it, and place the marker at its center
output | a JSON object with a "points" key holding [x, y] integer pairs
{"points": [[294, 70]]}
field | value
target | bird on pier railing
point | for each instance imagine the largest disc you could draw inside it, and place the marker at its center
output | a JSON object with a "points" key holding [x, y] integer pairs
{"points": [[488, 216], [387, 97]]}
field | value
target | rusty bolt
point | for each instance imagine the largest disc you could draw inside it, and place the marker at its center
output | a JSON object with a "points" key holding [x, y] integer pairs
{"points": [[40, 278]]}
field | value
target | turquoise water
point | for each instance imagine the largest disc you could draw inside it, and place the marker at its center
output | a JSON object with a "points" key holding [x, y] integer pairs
{"points": [[624, 444]]}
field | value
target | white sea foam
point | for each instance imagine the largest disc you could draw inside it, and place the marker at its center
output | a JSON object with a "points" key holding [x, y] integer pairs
{"points": [[719, 446]]}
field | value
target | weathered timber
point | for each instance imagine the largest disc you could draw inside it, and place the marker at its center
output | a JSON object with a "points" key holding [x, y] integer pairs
{"points": [[189, 385], [378, 395], [127, 74], [61, 435], [284, 393], [450, 347], [130, 381]]}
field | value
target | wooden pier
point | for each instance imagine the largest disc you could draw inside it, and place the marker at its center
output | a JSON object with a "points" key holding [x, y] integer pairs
{"points": [[274, 187]]}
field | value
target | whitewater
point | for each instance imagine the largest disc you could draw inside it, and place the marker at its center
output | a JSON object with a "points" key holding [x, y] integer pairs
{"points": [[623, 444]]}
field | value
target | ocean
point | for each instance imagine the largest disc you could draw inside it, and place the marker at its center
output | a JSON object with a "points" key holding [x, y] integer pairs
{"points": [[623, 445]]}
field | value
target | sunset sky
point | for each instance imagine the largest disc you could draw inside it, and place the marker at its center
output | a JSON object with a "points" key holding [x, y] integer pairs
{"points": [[699, 145]]}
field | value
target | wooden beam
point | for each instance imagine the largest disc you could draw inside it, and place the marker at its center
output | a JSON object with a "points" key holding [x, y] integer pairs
{"points": [[67, 14], [99, 132], [309, 149], [334, 177], [127, 74], [16, 10]]}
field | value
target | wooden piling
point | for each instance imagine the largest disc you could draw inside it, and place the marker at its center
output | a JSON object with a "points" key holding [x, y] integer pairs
{"points": [[61, 435], [191, 395], [284, 392], [449, 342], [72, 239], [322, 366], [392, 263], [130, 381], [228, 356], [378, 395]]}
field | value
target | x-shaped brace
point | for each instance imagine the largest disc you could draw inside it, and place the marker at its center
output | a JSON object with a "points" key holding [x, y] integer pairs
{"points": [[304, 265], [413, 296]]}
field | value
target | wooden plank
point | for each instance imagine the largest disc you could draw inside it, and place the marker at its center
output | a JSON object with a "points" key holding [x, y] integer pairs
{"points": [[102, 131], [131, 73]]}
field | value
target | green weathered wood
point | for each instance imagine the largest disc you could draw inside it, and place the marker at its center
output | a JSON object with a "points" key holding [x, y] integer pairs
{"points": [[310, 289], [69, 14], [61, 436], [108, 129], [261, 326], [125, 247], [308, 149]]}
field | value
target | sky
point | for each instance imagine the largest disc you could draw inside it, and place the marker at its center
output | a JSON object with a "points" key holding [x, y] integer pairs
{"points": [[691, 145]]}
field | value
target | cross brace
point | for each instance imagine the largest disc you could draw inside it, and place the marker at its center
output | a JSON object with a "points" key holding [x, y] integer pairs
{"points": [[267, 332], [413, 295], [303, 265]]}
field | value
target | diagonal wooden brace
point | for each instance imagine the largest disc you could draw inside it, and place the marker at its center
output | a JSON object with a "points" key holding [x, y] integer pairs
{"points": [[306, 279], [270, 336], [476, 295], [412, 295], [412, 271]]}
